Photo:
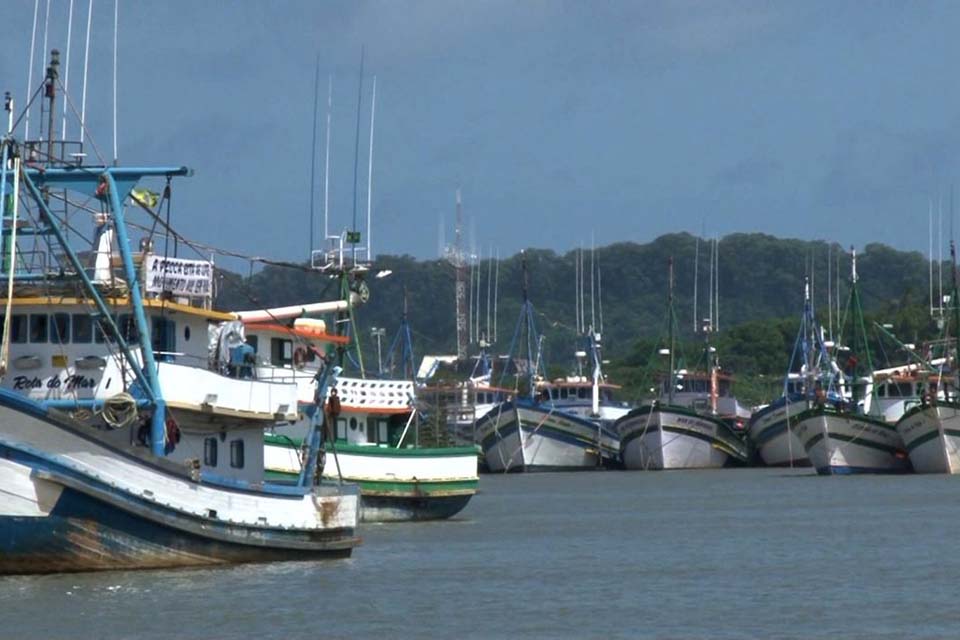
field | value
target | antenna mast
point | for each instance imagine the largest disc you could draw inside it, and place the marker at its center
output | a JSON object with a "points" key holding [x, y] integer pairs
{"points": [[373, 111], [456, 258]]}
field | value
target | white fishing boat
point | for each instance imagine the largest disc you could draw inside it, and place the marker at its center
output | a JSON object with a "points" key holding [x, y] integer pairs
{"points": [[771, 428], [839, 432], [529, 432], [687, 431], [125, 442]]}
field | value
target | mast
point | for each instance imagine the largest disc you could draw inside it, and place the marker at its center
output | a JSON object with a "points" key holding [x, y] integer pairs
{"points": [[670, 375], [696, 268], [313, 156], [66, 74], [576, 289], [50, 93], [373, 111], [326, 164], [955, 308], [356, 159], [496, 294], [461, 290]]}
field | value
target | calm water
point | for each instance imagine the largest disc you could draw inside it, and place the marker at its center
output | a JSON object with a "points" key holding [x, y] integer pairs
{"points": [[713, 554]]}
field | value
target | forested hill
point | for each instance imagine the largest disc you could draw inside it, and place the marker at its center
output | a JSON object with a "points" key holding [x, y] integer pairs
{"points": [[760, 278]]}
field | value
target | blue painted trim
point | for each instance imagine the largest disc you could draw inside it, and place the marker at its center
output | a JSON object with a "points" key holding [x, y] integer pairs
{"points": [[106, 315], [159, 417], [82, 404], [213, 479], [842, 470]]}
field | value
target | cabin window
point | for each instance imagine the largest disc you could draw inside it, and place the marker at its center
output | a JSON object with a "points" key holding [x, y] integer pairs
{"points": [[18, 330], [341, 428], [236, 454], [382, 431], [164, 337], [38, 327], [82, 328], [582, 392], [281, 351], [563, 393], [254, 341], [882, 391], [60, 328], [371, 430], [101, 332], [210, 452], [353, 424]]}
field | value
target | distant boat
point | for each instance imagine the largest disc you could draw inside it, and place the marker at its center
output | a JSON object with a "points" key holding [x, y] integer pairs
{"points": [[686, 431], [772, 428], [529, 432], [837, 430], [931, 427]]}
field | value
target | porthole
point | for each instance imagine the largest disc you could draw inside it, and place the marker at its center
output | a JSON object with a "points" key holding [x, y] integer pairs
{"points": [[186, 333], [353, 424]]}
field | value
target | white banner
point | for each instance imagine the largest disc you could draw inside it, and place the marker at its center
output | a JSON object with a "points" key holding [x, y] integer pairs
{"points": [[179, 277]]}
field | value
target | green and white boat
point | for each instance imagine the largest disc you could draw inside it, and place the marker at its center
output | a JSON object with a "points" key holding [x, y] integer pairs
{"points": [[375, 438]]}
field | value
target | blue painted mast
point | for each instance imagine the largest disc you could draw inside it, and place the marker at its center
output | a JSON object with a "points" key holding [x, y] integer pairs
{"points": [[112, 185]]}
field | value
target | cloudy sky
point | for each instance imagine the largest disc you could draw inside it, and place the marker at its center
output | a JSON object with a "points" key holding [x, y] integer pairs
{"points": [[624, 120]]}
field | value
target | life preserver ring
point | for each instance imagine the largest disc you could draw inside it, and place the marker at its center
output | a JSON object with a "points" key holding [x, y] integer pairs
{"points": [[299, 357]]}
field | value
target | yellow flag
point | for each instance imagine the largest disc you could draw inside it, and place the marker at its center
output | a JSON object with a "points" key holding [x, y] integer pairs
{"points": [[145, 197]]}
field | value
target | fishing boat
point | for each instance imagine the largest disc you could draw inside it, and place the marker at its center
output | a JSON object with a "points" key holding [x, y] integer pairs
{"points": [[771, 427], [839, 432], [687, 431], [531, 432], [931, 427], [125, 441], [376, 440]]}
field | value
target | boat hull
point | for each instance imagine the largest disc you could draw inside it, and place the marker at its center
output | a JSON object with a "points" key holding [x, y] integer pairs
{"points": [[665, 437], [842, 443], [519, 437], [932, 437], [396, 485], [70, 503], [772, 430]]}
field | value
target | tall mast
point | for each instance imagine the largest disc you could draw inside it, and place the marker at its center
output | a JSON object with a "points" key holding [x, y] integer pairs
{"points": [[670, 374], [313, 155], [356, 157], [373, 111], [50, 89], [576, 289], [326, 163], [489, 289], [716, 285], [461, 292], [496, 294], [696, 268], [66, 73], [930, 252], [955, 307], [593, 315]]}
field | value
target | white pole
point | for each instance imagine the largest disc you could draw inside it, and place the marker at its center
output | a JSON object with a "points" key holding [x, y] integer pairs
{"points": [[696, 268], [716, 283], [489, 282], [940, 260], [600, 295], [930, 251], [33, 54], [576, 290], [116, 28], [830, 289], [326, 170], [710, 294], [86, 60], [496, 295], [373, 110], [43, 56], [593, 315], [4, 356], [66, 73]]}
